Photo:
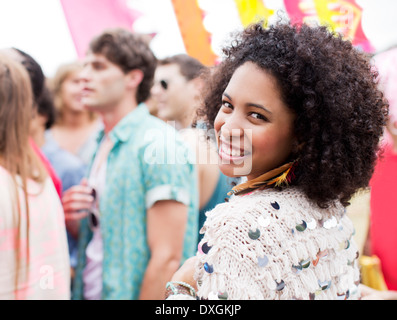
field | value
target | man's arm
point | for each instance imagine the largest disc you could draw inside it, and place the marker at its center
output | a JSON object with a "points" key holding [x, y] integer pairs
{"points": [[166, 225]]}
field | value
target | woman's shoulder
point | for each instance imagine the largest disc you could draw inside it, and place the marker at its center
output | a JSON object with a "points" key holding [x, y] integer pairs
{"points": [[283, 200], [271, 199], [5, 185], [3, 171], [289, 207]]}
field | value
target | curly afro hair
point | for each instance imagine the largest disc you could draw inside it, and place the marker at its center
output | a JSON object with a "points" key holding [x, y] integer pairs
{"points": [[332, 88]]}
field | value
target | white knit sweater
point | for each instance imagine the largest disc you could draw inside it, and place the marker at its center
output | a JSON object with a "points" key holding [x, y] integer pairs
{"points": [[277, 245]]}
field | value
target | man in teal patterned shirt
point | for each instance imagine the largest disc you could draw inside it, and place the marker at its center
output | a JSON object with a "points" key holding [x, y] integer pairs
{"points": [[138, 210]]}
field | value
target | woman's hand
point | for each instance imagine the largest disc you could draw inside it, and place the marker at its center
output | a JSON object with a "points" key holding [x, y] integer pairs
{"points": [[368, 293], [186, 272]]}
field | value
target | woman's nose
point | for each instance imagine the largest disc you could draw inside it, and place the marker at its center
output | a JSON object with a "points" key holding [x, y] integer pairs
{"points": [[232, 126]]}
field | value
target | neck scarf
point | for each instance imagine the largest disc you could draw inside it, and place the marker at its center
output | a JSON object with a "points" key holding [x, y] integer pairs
{"points": [[274, 178]]}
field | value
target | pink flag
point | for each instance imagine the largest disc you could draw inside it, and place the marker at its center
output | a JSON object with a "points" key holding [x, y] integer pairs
{"points": [[88, 18], [295, 10]]}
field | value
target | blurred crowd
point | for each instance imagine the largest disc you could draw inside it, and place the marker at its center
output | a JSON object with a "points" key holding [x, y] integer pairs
{"points": [[89, 209], [58, 141]]}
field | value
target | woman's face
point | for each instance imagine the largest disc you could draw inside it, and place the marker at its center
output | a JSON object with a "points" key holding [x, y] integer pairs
{"points": [[254, 127], [71, 92]]}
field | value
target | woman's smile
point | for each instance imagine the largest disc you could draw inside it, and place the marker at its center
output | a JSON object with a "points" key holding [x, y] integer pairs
{"points": [[232, 153]]}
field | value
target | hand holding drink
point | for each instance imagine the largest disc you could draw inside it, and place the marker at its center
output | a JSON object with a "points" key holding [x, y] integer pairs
{"points": [[77, 201]]}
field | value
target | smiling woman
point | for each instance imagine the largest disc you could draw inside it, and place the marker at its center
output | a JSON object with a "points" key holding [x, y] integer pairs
{"points": [[302, 107], [325, 138], [254, 127]]}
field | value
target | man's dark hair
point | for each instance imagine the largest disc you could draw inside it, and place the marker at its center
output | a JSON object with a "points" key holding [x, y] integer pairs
{"points": [[129, 51], [190, 67]]}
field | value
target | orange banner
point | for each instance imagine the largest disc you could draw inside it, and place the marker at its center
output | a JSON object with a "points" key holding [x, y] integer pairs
{"points": [[197, 40]]}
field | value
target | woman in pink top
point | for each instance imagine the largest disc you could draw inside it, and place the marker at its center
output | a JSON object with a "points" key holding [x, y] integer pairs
{"points": [[34, 261]]}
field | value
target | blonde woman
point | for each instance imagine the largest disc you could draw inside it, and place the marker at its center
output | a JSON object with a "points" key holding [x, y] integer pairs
{"points": [[34, 261], [76, 128]]}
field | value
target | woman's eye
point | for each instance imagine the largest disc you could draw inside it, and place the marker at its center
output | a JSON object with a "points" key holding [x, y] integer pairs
{"points": [[226, 105], [258, 116]]}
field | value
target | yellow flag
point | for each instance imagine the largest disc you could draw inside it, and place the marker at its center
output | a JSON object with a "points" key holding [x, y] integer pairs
{"points": [[252, 11]]}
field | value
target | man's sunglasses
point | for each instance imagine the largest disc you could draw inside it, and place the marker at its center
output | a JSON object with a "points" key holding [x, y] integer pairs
{"points": [[164, 84]]}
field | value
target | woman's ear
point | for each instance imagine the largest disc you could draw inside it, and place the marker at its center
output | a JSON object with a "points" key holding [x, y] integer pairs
{"points": [[134, 78]]}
